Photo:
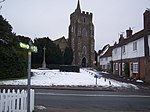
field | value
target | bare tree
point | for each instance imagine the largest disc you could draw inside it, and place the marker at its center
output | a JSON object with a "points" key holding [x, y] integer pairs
{"points": [[1, 1]]}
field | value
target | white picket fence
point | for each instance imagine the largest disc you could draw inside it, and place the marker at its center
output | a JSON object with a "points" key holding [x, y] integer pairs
{"points": [[11, 101]]}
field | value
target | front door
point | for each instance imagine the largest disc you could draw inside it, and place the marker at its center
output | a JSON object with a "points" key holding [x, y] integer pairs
{"points": [[84, 62]]}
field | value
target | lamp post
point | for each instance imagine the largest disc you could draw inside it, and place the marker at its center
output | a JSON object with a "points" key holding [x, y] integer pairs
{"points": [[44, 63]]}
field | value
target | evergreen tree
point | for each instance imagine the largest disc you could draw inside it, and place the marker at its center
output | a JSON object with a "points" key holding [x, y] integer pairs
{"points": [[53, 53], [68, 56], [13, 60]]}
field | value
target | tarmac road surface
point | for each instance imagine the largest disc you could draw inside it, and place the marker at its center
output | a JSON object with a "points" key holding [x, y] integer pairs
{"points": [[91, 101]]}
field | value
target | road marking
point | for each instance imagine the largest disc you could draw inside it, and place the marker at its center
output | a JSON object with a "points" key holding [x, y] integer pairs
{"points": [[94, 95]]}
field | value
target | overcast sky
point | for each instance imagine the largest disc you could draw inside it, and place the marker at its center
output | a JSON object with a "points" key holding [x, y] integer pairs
{"points": [[51, 18]]}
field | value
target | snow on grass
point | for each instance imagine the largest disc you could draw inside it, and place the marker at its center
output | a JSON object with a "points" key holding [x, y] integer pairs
{"points": [[57, 78]]}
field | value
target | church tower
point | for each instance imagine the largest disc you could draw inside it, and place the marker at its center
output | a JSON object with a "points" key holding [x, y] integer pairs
{"points": [[81, 37]]}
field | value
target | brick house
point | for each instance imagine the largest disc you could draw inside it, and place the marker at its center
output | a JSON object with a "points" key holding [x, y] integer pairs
{"points": [[133, 51]]}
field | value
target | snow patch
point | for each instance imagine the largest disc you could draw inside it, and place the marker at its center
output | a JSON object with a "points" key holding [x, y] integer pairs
{"points": [[140, 81], [40, 107], [57, 78]]}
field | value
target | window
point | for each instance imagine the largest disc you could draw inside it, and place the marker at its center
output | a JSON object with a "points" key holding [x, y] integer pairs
{"points": [[84, 33], [84, 20], [84, 50], [108, 66], [73, 46], [106, 58], [72, 29], [122, 66], [123, 49], [115, 51], [116, 66], [134, 46], [135, 67], [79, 31]]}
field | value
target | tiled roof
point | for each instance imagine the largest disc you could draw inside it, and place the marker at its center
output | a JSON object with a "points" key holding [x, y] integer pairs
{"points": [[108, 53], [62, 42], [131, 38]]}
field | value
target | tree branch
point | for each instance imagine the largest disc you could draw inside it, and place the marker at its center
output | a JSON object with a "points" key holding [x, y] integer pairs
{"points": [[2, 1]]}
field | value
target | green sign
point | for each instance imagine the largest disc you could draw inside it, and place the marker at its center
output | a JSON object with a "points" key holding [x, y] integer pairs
{"points": [[26, 46], [34, 49]]}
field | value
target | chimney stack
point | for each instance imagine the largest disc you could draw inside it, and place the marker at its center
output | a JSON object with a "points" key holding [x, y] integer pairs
{"points": [[147, 19], [129, 32], [121, 38]]}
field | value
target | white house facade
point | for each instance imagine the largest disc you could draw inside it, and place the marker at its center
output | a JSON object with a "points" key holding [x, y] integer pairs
{"points": [[130, 57], [105, 62], [132, 49]]}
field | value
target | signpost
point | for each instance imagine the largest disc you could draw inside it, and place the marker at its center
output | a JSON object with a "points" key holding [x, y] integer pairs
{"points": [[30, 49], [96, 77]]}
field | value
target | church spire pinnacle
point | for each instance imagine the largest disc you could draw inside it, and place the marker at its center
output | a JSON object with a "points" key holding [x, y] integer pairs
{"points": [[78, 9]]}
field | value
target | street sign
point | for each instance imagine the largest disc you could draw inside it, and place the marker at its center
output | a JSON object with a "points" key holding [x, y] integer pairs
{"points": [[23, 45], [97, 76], [34, 49], [30, 49], [26, 46]]}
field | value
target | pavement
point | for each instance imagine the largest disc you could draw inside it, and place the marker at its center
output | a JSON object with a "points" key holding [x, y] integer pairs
{"points": [[141, 85]]}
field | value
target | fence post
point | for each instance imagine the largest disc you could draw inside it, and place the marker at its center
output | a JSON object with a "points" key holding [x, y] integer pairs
{"points": [[22, 100], [15, 101], [9, 100], [5, 100], [32, 100], [0, 102]]}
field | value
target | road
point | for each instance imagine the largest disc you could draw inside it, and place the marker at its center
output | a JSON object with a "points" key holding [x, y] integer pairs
{"points": [[91, 101]]}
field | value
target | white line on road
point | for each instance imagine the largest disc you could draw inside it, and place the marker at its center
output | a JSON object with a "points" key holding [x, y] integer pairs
{"points": [[94, 95]]}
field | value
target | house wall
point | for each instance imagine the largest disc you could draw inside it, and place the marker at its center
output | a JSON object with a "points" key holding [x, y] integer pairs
{"points": [[147, 74], [105, 62], [129, 52], [149, 43]]}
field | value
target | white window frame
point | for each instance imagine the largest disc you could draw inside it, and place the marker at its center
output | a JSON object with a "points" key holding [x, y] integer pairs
{"points": [[115, 51], [135, 67], [135, 46], [116, 66]]}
